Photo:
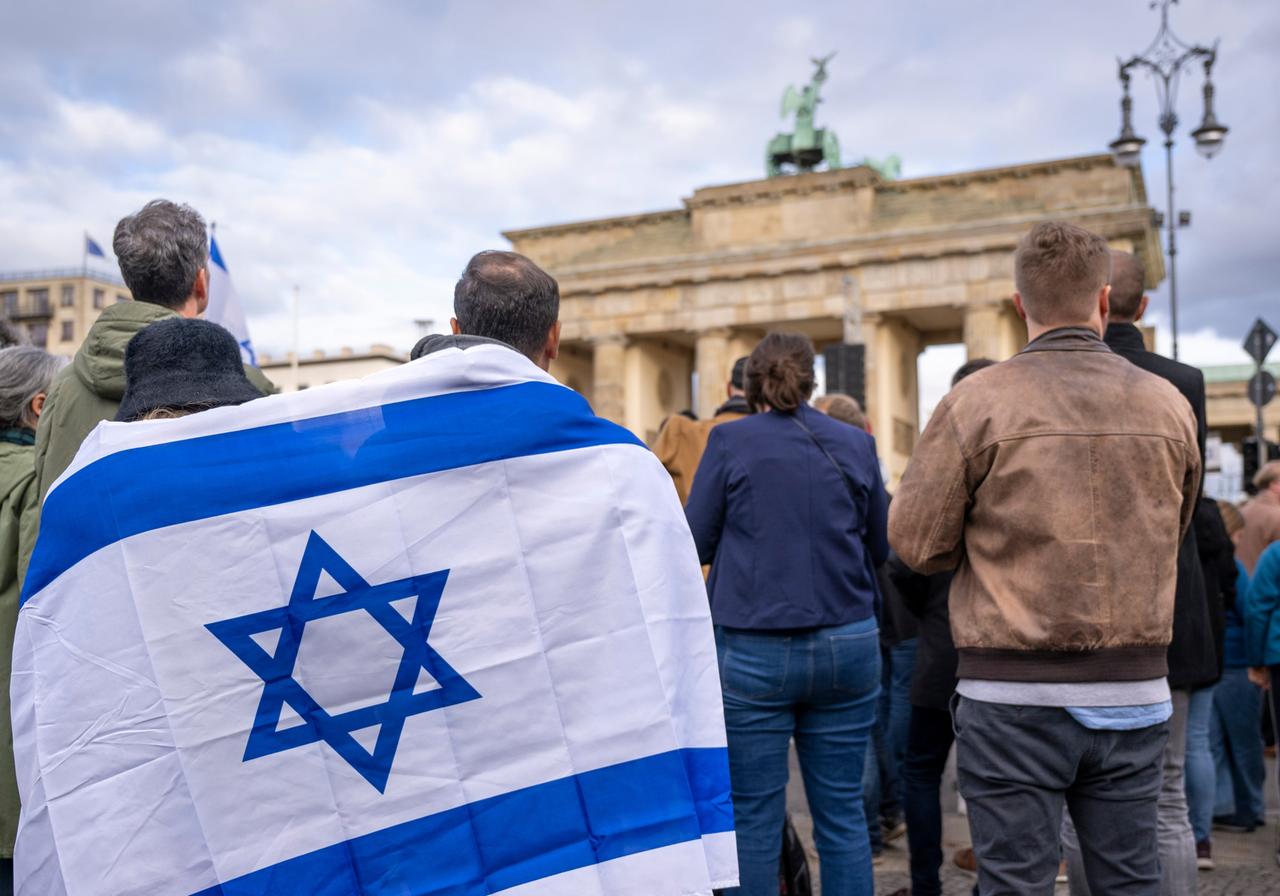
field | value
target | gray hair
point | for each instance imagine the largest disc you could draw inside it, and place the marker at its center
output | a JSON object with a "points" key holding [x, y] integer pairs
{"points": [[25, 372], [161, 249]]}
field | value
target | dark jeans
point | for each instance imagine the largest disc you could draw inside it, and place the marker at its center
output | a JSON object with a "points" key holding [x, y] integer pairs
{"points": [[882, 777], [1237, 747], [928, 743], [1018, 766], [1274, 694], [819, 687], [6, 877]]}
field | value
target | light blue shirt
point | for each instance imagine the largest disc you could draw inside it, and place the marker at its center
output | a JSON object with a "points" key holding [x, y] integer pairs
{"points": [[1121, 718]]}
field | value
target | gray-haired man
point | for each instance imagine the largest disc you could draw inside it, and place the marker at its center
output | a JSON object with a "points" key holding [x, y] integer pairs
{"points": [[163, 251]]}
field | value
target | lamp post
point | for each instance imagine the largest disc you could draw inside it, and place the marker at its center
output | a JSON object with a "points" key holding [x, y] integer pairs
{"points": [[1165, 60]]}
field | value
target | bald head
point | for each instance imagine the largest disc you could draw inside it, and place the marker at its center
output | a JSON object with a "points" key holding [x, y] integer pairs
{"points": [[1128, 279]]}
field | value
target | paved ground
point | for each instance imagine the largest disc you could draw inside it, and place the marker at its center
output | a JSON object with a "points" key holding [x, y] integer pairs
{"points": [[1245, 862]]}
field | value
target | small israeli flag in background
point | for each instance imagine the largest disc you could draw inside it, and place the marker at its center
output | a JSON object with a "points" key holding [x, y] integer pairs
{"points": [[224, 303], [440, 630]]}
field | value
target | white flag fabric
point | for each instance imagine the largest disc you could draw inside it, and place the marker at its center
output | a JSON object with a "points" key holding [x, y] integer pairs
{"points": [[224, 304], [439, 630]]}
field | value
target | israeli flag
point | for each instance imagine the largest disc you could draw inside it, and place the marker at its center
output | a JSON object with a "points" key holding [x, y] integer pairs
{"points": [[440, 630], [224, 304]]}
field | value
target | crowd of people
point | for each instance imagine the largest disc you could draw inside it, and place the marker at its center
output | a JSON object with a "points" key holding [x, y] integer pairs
{"points": [[1059, 599], [1047, 588]]}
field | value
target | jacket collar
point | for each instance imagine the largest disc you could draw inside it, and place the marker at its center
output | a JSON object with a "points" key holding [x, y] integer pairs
{"points": [[1067, 339], [735, 405], [435, 342], [1125, 337]]}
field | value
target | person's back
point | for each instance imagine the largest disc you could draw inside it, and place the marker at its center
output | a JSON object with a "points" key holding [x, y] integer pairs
{"points": [[789, 510], [1078, 454], [1058, 484], [791, 552]]}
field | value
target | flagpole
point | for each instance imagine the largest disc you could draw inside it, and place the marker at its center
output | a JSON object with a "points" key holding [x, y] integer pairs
{"points": [[84, 255], [293, 366]]}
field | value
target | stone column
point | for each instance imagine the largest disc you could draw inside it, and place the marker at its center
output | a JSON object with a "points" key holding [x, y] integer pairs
{"points": [[982, 332], [713, 365], [993, 331], [608, 390], [893, 348]]}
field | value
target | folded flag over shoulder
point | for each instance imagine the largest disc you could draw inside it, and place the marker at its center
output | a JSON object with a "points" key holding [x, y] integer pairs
{"points": [[224, 303], [440, 630]]}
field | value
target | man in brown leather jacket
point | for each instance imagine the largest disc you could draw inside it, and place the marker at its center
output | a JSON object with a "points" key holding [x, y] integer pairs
{"points": [[1058, 486]]}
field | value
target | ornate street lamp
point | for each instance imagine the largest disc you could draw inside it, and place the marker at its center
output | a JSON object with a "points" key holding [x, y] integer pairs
{"points": [[1164, 60]]}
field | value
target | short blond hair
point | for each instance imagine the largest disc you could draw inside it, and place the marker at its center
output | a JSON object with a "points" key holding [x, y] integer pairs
{"points": [[1269, 473], [1058, 269]]}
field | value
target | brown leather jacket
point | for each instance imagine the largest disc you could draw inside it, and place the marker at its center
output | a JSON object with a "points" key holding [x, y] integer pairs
{"points": [[1059, 485]]}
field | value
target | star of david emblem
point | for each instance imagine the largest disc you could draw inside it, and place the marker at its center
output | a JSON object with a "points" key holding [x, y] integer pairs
{"points": [[387, 604]]}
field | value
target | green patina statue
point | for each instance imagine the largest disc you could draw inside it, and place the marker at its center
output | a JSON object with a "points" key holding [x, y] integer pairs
{"points": [[806, 147]]}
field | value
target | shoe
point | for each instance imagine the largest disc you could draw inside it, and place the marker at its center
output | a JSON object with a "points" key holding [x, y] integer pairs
{"points": [[892, 829], [1204, 856], [1062, 873], [901, 891], [965, 860], [1234, 824]]}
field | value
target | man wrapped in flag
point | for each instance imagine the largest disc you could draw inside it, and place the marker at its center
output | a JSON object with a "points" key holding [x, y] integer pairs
{"points": [[440, 630]]}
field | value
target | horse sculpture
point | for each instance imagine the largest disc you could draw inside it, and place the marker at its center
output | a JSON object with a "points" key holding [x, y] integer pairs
{"points": [[806, 147]]}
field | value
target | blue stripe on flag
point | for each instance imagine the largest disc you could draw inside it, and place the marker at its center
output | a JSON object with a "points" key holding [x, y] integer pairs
{"points": [[512, 839], [141, 489], [215, 254]]}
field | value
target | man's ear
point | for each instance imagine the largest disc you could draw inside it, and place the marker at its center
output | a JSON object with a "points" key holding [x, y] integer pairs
{"points": [[551, 350], [1142, 307], [1019, 307], [37, 405], [453, 325], [200, 291], [1104, 302]]}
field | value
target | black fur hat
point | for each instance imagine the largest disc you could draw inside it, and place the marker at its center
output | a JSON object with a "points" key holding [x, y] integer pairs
{"points": [[183, 364]]}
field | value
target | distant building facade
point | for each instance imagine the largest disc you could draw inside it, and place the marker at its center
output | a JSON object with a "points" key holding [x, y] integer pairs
{"points": [[321, 368], [56, 307]]}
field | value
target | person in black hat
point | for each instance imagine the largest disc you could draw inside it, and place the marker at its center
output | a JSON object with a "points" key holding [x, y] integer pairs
{"points": [[181, 366]]}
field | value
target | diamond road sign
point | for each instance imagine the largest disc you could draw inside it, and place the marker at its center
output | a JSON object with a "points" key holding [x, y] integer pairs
{"points": [[1259, 341], [1262, 388]]}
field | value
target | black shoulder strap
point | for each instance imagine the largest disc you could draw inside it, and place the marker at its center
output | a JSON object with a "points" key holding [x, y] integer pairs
{"points": [[848, 483]]}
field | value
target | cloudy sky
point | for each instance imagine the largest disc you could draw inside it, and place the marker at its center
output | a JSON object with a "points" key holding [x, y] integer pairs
{"points": [[364, 150]]}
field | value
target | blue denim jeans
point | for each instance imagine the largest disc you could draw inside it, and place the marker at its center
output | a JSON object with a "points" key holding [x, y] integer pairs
{"points": [[1237, 745], [1200, 780], [819, 687], [882, 773]]}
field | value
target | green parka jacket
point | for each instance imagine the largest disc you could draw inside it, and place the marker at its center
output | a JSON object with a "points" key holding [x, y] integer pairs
{"points": [[88, 391], [17, 525]]}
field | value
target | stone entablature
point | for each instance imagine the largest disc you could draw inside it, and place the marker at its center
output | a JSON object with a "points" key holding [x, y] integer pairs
{"points": [[927, 260]]}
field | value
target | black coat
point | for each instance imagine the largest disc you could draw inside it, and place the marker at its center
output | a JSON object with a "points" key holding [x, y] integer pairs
{"points": [[1193, 655], [1218, 559], [933, 680]]}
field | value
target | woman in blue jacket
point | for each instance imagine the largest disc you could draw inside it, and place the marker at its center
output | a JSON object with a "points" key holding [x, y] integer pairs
{"points": [[789, 510]]}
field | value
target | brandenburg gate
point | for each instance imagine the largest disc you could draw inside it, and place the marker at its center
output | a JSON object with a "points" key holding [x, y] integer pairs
{"points": [[656, 306]]}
